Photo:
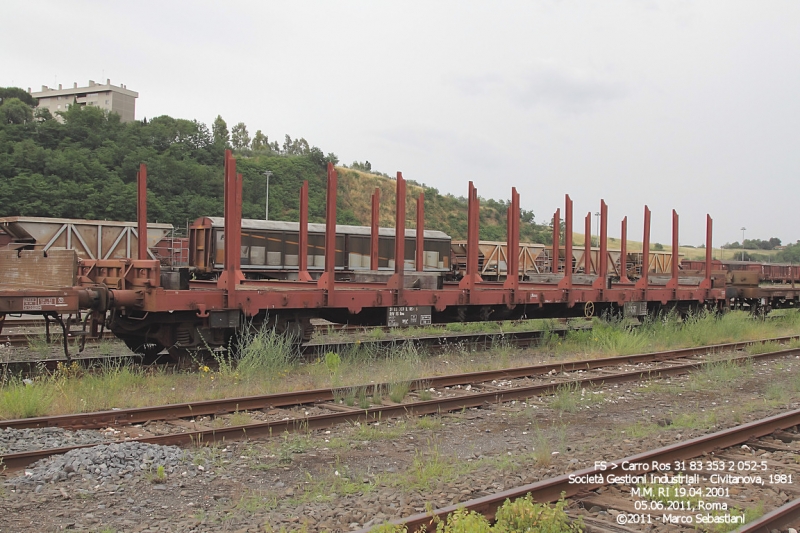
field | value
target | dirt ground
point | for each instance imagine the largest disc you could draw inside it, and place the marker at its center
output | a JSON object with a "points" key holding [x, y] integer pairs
{"points": [[352, 476]]}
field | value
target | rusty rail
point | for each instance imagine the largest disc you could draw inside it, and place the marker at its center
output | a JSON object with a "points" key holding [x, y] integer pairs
{"points": [[248, 403]]}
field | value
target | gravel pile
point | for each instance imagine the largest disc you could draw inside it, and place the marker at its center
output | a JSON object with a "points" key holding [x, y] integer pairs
{"points": [[25, 440], [106, 463]]}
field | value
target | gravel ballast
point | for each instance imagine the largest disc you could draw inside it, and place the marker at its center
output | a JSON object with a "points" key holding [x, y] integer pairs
{"points": [[341, 479], [105, 463], [21, 440]]}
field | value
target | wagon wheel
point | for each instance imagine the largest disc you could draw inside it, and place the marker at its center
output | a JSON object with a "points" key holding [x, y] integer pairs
{"points": [[588, 309]]}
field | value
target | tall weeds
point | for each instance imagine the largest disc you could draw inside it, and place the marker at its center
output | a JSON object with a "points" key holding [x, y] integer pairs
{"points": [[617, 337], [263, 353]]}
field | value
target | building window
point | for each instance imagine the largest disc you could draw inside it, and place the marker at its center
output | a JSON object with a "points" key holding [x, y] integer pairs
{"points": [[59, 106], [106, 102]]}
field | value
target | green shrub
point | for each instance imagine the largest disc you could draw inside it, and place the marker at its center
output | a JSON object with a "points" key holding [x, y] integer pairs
{"points": [[524, 515], [462, 521]]}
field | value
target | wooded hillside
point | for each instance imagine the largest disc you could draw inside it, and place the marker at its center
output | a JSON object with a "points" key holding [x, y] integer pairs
{"points": [[85, 167]]}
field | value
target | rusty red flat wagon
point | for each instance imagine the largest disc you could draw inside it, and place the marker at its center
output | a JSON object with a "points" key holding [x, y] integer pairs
{"points": [[152, 308]]}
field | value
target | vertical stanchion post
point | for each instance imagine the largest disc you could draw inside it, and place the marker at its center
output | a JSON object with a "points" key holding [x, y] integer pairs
{"points": [[420, 245], [587, 244], [512, 242], [673, 282], [328, 279], [302, 237], [375, 230], [232, 275], [566, 282], [556, 244], [623, 256], [473, 228], [643, 281], [396, 281], [602, 258], [706, 283], [141, 212]]}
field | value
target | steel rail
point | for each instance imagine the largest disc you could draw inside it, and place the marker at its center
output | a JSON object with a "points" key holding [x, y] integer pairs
{"points": [[550, 490], [100, 419], [140, 415], [376, 414]]}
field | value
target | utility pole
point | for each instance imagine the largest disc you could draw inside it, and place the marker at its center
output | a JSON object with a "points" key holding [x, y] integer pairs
{"points": [[597, 216], [743, 230]]}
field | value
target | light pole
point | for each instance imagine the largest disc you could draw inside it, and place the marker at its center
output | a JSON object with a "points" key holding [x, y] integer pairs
{"points": [[267, 173], [597, 216], [743, 230]]}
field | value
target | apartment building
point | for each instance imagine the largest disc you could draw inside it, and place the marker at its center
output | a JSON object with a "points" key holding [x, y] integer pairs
{"points": [[117, 99]]}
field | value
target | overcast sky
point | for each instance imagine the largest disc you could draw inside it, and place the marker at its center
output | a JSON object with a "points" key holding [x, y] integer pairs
{"points": [[687, 105]]}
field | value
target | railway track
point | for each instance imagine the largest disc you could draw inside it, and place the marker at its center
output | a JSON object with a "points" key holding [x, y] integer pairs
{"points": [[324, 408], [26, 339], [432, 343], [624, 482]]}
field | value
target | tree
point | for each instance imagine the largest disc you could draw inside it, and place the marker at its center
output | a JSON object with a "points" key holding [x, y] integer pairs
{"points": [[295, 147], [366, 166], [260, 142], [220, 130], [790, 254], [240, 139], [15, 111], [16, 92], [42, 113]]}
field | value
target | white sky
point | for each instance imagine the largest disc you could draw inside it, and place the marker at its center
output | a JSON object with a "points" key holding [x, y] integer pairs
{"points": [[687, 105]]}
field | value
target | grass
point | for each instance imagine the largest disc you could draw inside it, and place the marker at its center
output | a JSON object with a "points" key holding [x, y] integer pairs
{"points": [[335, 482], [208, 456], [21, 400], [39, 344], [569, 398], [670, 332], [719, 375], [257, 501], [159, 476], [427, 470], [262, 362], [765, 347], [750, 514], [694, 419], [240, 418], [378, 431], [546, 442], [398, 391]]}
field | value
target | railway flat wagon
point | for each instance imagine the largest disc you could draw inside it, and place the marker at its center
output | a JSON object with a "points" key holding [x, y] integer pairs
{"points": [[137, 301]]}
